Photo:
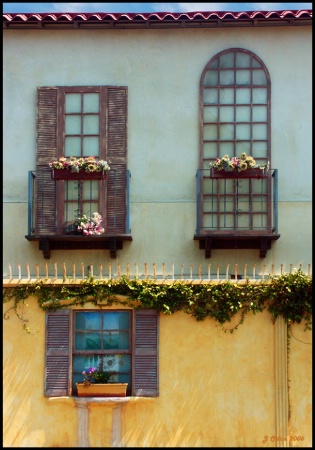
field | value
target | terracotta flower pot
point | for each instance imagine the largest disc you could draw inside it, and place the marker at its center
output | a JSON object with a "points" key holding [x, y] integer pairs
{"points": [[102, 390]]}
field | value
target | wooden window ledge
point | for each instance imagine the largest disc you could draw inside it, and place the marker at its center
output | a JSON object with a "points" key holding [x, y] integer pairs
{"points": [[208, 242], [75, 242]]}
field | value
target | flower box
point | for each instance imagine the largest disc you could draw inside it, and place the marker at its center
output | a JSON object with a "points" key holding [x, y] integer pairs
{"points": [[248, 173], [102, 390], [66, 174]]}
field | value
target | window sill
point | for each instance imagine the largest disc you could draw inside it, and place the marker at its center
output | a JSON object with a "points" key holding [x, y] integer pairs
{"points": [[235, 240], [100, 400], [80, 242]]}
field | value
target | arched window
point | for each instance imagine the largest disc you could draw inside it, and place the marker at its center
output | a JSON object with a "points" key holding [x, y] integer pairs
{"points": [[235, 101]]}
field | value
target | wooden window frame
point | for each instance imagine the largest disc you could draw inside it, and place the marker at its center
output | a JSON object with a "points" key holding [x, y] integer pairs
{"points": [[104, 352], [145, 353], [48, 195], [213, 189]]}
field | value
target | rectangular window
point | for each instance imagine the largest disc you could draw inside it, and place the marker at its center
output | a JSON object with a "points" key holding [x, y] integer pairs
{"points": [[81, 121], [125, 342], [102, 338]]}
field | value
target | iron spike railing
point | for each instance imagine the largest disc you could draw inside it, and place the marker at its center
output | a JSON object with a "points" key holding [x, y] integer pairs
{"points": [[192, 273]]}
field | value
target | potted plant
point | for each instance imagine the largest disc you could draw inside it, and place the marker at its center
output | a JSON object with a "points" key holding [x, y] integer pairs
{"points": [[89, 226], [73, 168], [97, 384], [238, 167]]}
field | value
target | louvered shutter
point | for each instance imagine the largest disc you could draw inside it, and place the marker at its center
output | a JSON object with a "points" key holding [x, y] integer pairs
{"points": [[58, 353], [146, 361], [116, 153], [46, 152]]}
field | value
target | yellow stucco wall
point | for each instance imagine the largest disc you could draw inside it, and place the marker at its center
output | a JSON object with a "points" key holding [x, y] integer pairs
{"points": [[216, 389]]}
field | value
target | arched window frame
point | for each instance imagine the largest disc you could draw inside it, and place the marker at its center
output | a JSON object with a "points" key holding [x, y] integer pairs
{"points": [[235, 117]]}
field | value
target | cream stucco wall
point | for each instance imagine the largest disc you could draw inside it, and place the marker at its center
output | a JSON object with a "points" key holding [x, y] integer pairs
{"points": [[162, 71], [216, 389], [169, 244]]}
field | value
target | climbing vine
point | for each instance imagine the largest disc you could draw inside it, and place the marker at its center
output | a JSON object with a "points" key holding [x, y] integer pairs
{"points": [[288, 295]]}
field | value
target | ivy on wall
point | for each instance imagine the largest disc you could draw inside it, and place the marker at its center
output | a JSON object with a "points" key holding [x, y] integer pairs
{"points": [[288, 295]]}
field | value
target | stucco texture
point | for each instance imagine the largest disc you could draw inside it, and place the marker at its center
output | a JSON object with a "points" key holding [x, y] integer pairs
{"points": [[162, 71], [216, 389]]}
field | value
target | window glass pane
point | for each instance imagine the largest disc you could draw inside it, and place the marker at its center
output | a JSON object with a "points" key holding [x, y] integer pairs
{"points": [[226, 148], [226, 96], [88, 321], [227, 77], [243, 131], [117, 320], [91, 124], [227, 114], [255, 63], [116, 340], [210, 114], [243, 146], [71, 212], [259, 188], [71, 190], [227, 221], [211, 205], [211, 96], [243, 219], [91, 103], [214, 64], [210, 150], [227, 60], [117, 363], [211, 78], [242, 60], [210, 132], [90, 190], [243, 77], [227, 203], [260, 221], [259, 113], [210, 222], [73, 103], [243, 114], [91, 146], [227, 132], [73, 124], [260, 149], [243, 96], [259, 95], [259, 77], [259, 132], [89, 208], [72, 146], [87, 341]]}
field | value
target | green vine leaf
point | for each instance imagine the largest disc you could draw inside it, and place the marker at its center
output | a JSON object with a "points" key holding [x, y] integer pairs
{"points": [[288, 295]]}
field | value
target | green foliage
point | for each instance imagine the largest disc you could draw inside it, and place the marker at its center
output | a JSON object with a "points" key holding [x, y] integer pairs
{"points": [[289, 295]]}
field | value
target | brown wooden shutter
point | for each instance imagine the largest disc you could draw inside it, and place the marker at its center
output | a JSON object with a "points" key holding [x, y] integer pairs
{"points": [[116, 153], [46, 152], [146, 360], [58, 353]]}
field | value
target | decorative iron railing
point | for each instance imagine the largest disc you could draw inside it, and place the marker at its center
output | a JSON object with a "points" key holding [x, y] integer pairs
{"points": [[236, 205], [200, 273], [39, 203]]}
